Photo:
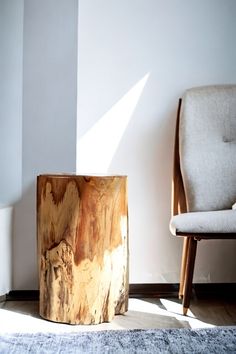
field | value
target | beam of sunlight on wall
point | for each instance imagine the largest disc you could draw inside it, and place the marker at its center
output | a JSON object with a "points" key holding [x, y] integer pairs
{"points": [[96, 148]]}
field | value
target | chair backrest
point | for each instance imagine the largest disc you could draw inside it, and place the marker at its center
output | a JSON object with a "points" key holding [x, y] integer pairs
{"points": [[207, 147]]}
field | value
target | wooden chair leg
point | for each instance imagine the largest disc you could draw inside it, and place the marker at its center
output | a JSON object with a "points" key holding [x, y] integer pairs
{"points": [[183, 267], [192, 249]]}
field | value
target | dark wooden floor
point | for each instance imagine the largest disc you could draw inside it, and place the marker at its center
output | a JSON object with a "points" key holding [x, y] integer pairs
{"points": [[143, 313]]}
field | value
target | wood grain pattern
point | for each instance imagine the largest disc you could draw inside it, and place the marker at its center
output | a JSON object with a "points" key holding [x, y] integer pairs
{"points": [[179, 200], [178, 193], [82, 232]]}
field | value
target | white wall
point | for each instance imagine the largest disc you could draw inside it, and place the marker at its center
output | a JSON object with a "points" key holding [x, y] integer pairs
{"points": [[136, 58], [49, 116], [127, 126], [6, 221], [11, 54]]}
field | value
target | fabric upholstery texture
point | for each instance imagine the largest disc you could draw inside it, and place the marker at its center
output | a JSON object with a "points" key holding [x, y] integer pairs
{"points": [[207, 141], [220, 221]]}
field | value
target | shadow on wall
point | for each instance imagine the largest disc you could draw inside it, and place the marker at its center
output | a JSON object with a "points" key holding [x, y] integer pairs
{"points": [[24, 252]]}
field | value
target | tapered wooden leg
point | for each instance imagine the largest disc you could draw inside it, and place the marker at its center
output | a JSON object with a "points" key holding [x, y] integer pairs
{"points": [[192, 249], [183, 266]]}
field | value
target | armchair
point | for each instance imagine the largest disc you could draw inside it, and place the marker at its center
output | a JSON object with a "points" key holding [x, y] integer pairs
{"points": [[204, 174]]}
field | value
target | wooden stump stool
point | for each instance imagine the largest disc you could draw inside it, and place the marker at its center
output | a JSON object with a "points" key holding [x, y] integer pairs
{"points": [[82, 234]]}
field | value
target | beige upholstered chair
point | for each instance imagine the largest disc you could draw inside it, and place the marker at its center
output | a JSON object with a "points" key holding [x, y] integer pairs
{"points": [[204, 179]]}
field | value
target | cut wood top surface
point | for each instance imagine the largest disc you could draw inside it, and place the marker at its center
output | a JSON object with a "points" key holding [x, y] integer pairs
{"points": [[65, 175]]}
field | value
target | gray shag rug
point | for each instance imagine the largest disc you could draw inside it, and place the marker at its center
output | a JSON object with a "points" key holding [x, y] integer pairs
{"points": [[212, 340]]}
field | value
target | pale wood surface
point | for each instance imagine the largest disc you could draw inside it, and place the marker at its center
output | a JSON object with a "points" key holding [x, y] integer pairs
{"points": [[82, 231], [183, 266], [178, 193], [179, 200]]}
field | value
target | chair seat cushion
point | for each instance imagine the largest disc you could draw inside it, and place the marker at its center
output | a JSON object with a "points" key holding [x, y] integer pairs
{"points": [[206, 222]]}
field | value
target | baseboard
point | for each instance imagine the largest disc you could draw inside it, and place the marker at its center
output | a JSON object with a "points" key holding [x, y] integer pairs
{"points": [[153, 290], [23, 295], [203, 290], [200, 290]]}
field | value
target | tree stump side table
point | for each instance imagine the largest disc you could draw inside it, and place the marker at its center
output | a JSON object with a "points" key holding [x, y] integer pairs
{"points": [[82, 236]]}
